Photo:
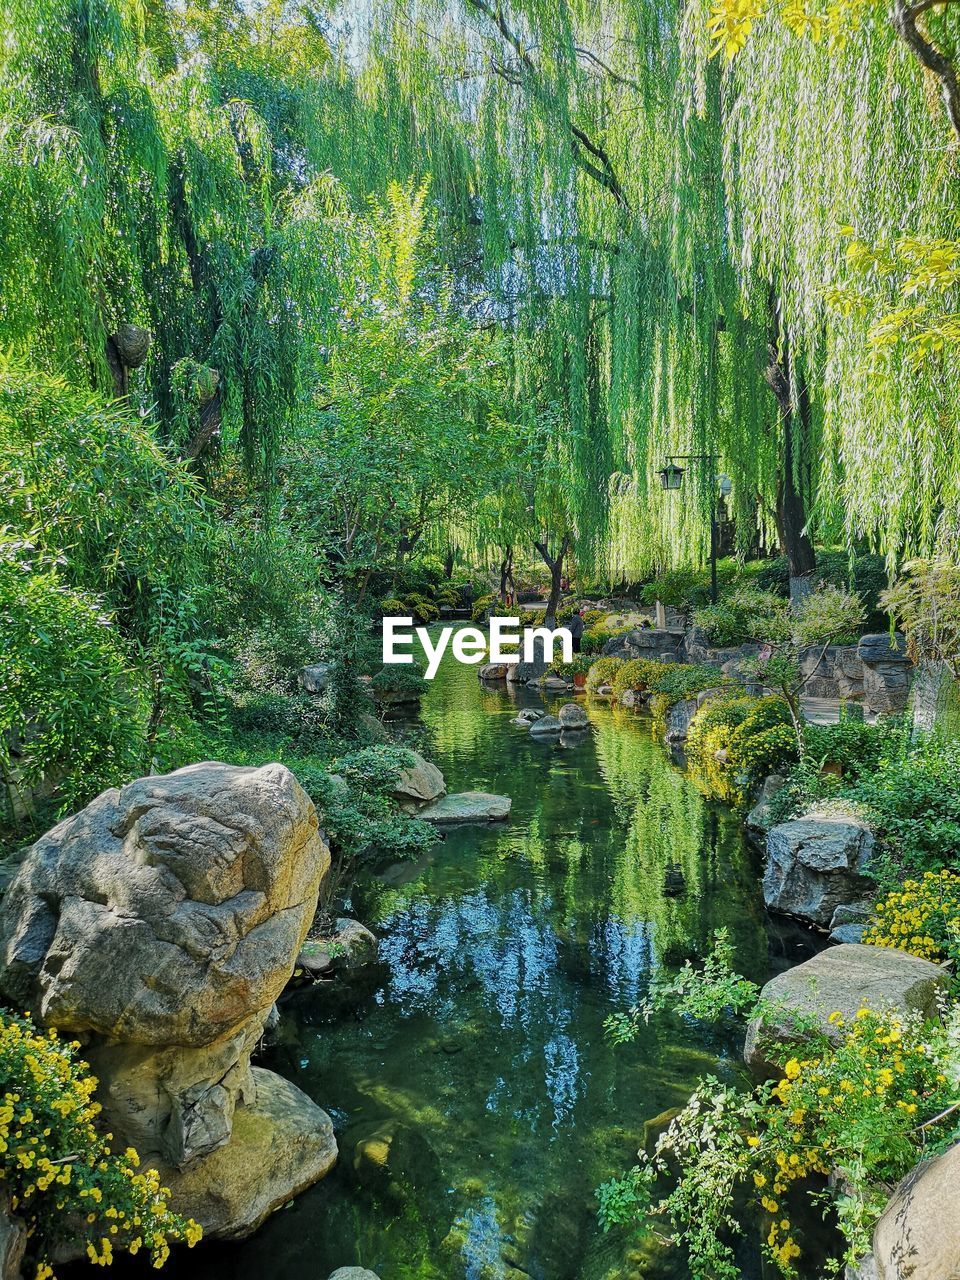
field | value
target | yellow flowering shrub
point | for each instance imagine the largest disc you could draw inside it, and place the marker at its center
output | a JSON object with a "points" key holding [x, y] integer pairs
{"points": [[923, 917], [58, 1167], [866, 1109]]}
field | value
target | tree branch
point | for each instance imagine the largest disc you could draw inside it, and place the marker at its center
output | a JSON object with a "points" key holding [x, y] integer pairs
{"points": [[905, 22]]}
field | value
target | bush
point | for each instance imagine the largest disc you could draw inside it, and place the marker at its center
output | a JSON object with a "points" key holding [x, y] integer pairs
{"points": [[923, 917], [744, 614], [481, 607], [603, 671], [639, 675], [69, 710], [422, 609], [399, 678], [686, 680], [829, 613], [63, 1178]]}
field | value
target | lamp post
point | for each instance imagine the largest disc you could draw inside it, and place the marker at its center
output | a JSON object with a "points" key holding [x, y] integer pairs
{"points": [[671, 478]]}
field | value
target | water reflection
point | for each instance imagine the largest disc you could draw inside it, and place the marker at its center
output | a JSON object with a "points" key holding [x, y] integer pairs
{"points": [[482, 1053]]}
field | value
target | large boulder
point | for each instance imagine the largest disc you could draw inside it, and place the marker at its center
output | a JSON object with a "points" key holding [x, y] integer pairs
{"points": [[467, 806], [918, 1235], [840, 980], [419, 783], [160, 924], [817, 862]]}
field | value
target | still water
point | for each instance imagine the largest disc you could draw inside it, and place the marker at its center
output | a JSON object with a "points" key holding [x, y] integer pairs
{"points": [[476, 1062]]}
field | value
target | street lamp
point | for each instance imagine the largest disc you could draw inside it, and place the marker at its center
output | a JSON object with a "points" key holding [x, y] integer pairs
{"points": [[671, 477]]}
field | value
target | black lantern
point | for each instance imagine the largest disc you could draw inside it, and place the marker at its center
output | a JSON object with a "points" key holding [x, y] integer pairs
{"points": [[671, 476]]}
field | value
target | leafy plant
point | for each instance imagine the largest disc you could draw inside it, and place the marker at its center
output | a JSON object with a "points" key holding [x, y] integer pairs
{"points": [[63, 1177]]}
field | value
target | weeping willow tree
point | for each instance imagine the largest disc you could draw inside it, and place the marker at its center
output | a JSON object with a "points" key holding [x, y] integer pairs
{"points": [[138, 197], [600, 225]]}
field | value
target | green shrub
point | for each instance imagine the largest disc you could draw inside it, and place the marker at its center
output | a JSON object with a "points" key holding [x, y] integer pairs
{"points": [[686, 680], [829, 613], [602, 671], [422, 609], [481, 607], [69, 710], [399, 678], [744, 614], [639, 675]]}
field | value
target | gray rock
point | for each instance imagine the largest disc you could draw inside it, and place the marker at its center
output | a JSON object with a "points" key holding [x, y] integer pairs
{"points": [[316, 678], [815, 863], [419, 783], [545, 726], [918, 1235], [759, 820], [878, 647], [526, 716], [848, 933], [839, 980], [13, 1241], [573, 716], [467, 806], [193, 891], [679, 720], [349, 948]]}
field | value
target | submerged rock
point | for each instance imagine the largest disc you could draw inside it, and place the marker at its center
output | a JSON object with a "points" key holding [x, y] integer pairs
{"points": [[419, 783], [840, 980], [546, 726], [467, 806], [918, 1235], [816, 863], [573, 716], [161, 923], [350, 948]]}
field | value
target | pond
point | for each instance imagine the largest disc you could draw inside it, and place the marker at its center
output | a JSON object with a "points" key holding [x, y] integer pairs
{"points": [[479, 1061]]}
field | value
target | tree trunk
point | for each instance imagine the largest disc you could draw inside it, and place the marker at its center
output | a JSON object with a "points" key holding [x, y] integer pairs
{"points": [[795, 425], [555, 565], [506, 574]]}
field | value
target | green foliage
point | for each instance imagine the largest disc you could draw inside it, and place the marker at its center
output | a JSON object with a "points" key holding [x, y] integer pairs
{"points": [[399, 683], [602, 671], [65, 1180], [686, 680], [925, 602], [828, 614], [639, 675], [70, 712], [742, 614], [713, 991], [421, 609]]}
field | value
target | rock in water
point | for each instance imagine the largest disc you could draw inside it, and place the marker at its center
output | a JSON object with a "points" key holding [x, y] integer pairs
{"points": [[817, 863], [419, 783], [467, 806], [573, 716], [161, 923]]}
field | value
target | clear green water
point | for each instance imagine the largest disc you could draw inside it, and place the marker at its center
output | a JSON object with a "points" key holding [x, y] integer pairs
{"points": [[481, 1051]]}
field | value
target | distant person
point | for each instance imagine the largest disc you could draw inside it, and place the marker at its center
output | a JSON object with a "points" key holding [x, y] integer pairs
{"points": [[575, 627]]}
